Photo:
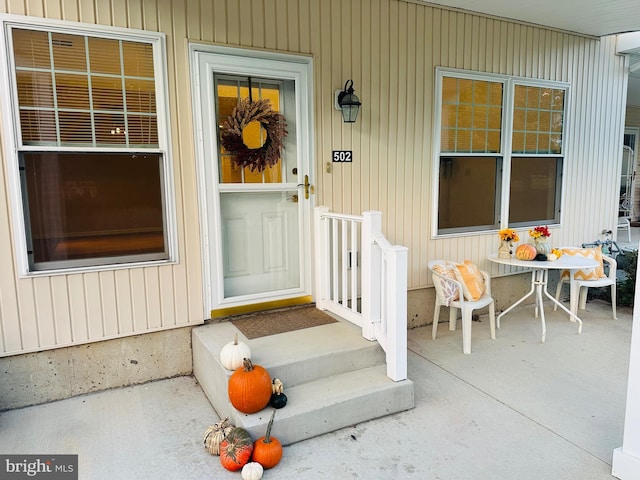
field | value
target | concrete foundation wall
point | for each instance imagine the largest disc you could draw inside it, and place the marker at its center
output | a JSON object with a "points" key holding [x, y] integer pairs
{"points": [[41, 377]]}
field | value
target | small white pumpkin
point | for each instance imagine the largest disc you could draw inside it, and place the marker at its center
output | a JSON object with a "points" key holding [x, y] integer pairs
{"points": [[233, 353], [252, 471]]}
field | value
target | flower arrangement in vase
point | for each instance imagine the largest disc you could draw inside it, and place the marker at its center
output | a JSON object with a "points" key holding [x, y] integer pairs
{"points": [[507, 237], [539, 236]]}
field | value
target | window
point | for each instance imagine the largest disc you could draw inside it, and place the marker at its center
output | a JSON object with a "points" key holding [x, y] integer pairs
{"points": [[500, 152], [91, 149]]}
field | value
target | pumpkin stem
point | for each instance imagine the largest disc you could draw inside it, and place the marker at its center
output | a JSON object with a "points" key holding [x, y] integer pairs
{"points": [[248, 366], [267, 437], [235, 338]]}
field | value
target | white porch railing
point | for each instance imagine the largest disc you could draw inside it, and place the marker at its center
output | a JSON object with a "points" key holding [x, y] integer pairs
{"points": [[362, 278]]}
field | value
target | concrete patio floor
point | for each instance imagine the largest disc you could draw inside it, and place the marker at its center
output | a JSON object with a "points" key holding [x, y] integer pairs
{"points": [[513, 409]]}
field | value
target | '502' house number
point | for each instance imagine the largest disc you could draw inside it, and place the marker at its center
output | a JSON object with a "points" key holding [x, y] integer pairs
{"points": [[342, 156]]}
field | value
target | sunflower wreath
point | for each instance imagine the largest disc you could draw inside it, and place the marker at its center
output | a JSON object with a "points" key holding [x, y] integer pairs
{"points": [[275, 127]]}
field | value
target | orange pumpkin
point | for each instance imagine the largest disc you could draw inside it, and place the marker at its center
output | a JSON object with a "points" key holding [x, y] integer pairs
{"points": [[267, 450], [526, 252], [249, 388]]}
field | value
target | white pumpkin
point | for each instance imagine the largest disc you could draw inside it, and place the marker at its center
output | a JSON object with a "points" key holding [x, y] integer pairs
{"points": [[252, 471], [233, 353]]}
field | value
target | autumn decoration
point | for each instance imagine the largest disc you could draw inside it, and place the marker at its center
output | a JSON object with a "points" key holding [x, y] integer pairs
{"points": [[249, 387], [267, 450], [274, 125]]}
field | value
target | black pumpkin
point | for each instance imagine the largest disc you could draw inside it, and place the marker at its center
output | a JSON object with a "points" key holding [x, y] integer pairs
{"points": [[278, 400]]}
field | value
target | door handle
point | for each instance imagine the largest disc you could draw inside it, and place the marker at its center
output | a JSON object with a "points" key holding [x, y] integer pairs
{"points": [[307, 187]]}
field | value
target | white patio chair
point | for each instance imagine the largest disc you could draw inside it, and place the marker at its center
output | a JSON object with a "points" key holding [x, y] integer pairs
{"points": [[578, 294], [447, 286]]}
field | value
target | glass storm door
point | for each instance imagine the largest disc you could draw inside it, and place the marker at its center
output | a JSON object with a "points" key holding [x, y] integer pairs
{"points": [[258, 220]]}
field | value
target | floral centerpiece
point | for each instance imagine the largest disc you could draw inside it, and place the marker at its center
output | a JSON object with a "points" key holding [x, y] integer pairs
{"points": [[539, 237], [507, 237]]}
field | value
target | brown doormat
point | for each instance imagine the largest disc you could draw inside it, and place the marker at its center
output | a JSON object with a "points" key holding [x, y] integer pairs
{"points": [[280, 321]]}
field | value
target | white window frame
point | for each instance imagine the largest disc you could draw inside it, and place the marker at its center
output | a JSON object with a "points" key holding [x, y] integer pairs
{"points": [[509, 82], [11, 133]]}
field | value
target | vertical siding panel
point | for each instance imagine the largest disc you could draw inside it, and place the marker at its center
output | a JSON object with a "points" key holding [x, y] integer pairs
{"points": [[353, 177], [70, 10], [61, 310], [86, 11], [206, 20], [153, 297], [44, 312], [77, 308], [304, 22], [245, 22], [150, 15], [220, 21], [291, 8], [139, 303], [192, 20], [28, 316], [363, 203], [259, 25], [109, 302], [123, 295], [167, 298], [270, 21], [93, 306]]}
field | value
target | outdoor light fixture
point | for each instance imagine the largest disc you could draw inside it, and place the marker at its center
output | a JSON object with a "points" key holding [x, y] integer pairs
{"points": [[347, 102]]}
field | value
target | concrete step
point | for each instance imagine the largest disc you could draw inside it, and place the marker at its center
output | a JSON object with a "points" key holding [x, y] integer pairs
{"points": [[329, 372]]}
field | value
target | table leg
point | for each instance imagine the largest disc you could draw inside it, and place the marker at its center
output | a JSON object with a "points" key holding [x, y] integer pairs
{"points": [[541, 277], [533, 287], [571, 314]]}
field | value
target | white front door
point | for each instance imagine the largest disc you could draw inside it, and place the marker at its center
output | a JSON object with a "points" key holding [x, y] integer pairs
{"points": [[255, 223]]}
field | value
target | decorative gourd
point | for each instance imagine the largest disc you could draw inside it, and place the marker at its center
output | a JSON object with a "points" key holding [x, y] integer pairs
{"points": [[215, 434], [277, 386], [267, 450], [236, 449], [252, 471], [232, 354], [526, 251], [278, 398], [249, 388]]}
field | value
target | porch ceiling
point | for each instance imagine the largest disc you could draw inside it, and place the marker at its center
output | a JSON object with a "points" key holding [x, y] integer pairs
{"points": [[588, 17]]}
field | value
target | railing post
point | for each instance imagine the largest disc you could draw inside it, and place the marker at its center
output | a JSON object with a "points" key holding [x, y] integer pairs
{"points": [[371, 271], [321, 256], [396, 313]]}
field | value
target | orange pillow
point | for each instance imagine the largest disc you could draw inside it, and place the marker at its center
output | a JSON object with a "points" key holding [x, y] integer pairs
{"points": [[587, 273], [471, 279]]}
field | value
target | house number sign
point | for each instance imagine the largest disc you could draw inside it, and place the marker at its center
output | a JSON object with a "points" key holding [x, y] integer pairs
{"points": [[342, 156]]}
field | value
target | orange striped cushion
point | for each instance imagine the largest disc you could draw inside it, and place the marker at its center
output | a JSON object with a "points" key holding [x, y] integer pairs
{"points": [[588, 273], [471, 279]]}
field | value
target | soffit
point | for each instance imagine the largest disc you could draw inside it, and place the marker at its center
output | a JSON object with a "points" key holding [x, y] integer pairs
{"points": [[588, 17]]}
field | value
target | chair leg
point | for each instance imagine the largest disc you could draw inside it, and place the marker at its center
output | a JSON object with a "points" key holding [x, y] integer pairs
{"points": [[558, 291], [453, 318], [492, 320], [574, 298], [436, 315], [467, 315], [613, 300], [583, 298]]}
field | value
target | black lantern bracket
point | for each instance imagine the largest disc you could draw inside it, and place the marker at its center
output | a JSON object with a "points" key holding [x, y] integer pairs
{"points": [[347, 102]]}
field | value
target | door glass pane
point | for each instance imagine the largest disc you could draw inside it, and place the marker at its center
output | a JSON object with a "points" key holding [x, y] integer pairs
{"points": [[534, 190], [467, 193], [229, 91], [260, 242], [94, 205]]}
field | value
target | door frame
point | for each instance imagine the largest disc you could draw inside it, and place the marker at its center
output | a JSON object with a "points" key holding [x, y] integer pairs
{"points": [[204, 61]]}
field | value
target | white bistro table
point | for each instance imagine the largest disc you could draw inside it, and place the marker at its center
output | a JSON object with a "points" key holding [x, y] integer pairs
{"points": [[539, 278]]}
